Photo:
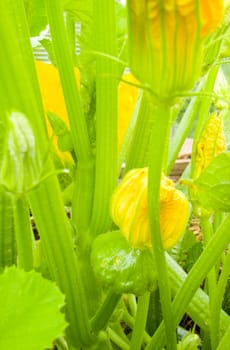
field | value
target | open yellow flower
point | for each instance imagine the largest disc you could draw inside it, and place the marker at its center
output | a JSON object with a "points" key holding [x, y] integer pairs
{"points": [[129, 210], [53, 100], [211, 143], [166, 41]]}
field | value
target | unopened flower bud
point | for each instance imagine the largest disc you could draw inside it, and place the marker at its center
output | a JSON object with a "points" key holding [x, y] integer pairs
{"points": [[20, 167], [166, 40]]}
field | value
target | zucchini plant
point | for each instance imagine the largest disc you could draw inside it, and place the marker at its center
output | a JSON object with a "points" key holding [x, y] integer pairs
{"points": [[96, 248]]}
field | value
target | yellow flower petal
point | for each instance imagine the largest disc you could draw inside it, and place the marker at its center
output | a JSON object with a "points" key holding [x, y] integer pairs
{"points": [[129, 210]]}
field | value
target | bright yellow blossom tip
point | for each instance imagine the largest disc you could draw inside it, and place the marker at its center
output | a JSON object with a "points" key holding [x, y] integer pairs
{"points": [[129, 210], [211, 143], [166, 41]]}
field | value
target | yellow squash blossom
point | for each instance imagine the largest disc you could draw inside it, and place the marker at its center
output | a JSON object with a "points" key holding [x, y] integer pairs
{"points": [[211, 143], [53, 99], [166, 41], [129, 210]]}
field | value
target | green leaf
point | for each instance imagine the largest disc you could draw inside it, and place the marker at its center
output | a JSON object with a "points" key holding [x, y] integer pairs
{"points": [[212, 188], [119, 266], [30, 311]]}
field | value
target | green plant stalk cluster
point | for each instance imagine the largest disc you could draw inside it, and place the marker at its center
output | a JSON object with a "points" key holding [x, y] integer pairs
{"points": [[46, 202], [83, 184], [94, 184]]}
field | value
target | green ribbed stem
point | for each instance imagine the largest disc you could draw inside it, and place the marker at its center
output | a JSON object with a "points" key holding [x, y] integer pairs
{"points": [[199, 271], [207, 231], [158, 143], [83, 185], [101, 319], [130, 321], [23, 234], [56, 236], [140, 322], [106, 114]]}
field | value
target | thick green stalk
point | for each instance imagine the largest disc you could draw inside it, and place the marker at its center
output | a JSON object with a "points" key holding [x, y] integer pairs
{"points": [[100, 320], [23, 233], [82, 199], [195, 277], [130, 321], [18, 93], [156, 158], [106, 114], [140, 322], [56, 236]]}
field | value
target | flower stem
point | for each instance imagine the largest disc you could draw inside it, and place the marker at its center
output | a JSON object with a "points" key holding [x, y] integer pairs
{"points": [[100, 320], [140, 321], [156, 158], [207, 231]]}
